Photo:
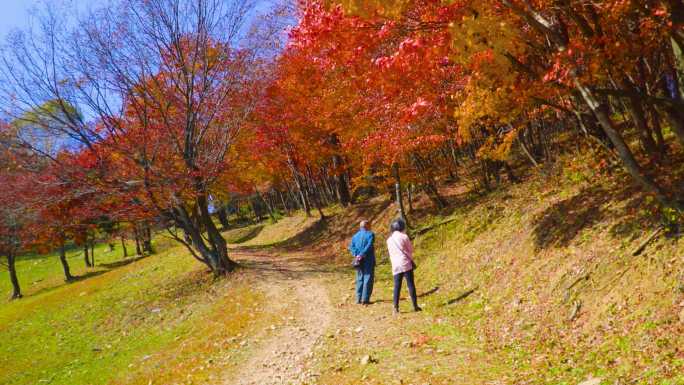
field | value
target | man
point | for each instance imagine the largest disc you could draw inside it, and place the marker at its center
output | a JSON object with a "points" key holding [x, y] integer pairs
{"points": [[362, 249]]}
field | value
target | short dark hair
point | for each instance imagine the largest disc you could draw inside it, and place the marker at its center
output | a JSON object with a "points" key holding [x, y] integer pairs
{"points": [[398, 225]]}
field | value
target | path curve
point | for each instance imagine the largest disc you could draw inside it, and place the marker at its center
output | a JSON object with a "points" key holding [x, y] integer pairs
{"points": [[295, 289]]}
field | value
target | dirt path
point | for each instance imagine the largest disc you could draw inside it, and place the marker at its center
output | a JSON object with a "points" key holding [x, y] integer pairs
{"points": [[294, 288]]}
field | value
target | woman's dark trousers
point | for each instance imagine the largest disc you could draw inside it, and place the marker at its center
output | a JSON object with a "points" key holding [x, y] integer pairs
{"points": [[411, 287]]}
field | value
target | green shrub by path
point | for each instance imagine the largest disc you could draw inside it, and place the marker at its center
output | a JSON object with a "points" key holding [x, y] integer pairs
{"points": [[159, 317]]}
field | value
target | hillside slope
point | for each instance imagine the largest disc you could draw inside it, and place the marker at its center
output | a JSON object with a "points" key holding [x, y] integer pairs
{"points": [[529, 284]]}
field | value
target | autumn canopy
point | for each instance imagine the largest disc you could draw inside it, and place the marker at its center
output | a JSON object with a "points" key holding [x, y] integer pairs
{"points": [[157, 115]]}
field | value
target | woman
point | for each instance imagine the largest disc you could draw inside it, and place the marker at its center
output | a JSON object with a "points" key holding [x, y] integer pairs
{"points": [[401, 256]]}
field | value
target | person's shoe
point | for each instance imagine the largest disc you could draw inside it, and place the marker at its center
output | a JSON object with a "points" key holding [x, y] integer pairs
{"points": [[417, 308], [395, 311]]}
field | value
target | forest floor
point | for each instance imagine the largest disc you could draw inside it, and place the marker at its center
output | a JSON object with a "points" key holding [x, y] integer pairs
{"points": [[532, 283]]}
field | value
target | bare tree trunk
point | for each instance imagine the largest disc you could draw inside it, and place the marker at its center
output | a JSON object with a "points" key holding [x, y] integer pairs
{"points": [[65, 264], [292, 196], [136, 233], [638, 116], [218, 243], [399, 195], [428, 182], [255, 211], [147, 239], [527, 152], [341, 182], [11, 264], [316, 196], [678, 52], [86, 249], [123, 246], [409, 191], [628, 160], [302, 193], [212, 247], [509, 172], [339, 173], [268, 205], [657, 130], [222, 215], [282, 200], [92, 253]]}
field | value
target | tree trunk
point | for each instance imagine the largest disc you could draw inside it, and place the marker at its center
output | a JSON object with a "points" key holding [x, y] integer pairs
{"points": [[257, 213], [92, 254], [657, 130], [271, 214], [292, 197], [341, 182], [222, 215], [86, 248], [339, 174], [302, 194], [678, 52], [65, 264], [409, 191], [623, 151], [147, 239], [123, 246], [218, 243], [527, 152], [315, 195], [240, 214], [399, 195], [428, 182], [509, 172], [434, 195], [11, 264], [212, 248], [282, 200], [638, 116], [138, 250]]}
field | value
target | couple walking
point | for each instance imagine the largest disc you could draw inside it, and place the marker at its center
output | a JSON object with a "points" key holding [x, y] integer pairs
{"points": [[401, 256]]}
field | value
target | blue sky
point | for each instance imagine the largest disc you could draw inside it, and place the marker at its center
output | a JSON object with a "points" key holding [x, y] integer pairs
{"points": [[16, 13]]}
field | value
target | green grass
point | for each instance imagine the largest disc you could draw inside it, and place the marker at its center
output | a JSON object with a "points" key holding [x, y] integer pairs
{"points": [[292, 231], [44, 272], [154, 319]]}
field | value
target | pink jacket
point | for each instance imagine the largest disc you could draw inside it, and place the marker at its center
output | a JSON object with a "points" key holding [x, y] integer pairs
{"points": [[400, 252]]}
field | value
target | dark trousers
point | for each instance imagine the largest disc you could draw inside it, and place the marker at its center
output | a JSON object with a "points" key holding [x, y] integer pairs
{"points": [[411, 287]]}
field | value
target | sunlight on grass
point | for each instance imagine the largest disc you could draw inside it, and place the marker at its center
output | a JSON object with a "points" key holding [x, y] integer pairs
{"points": [[153, 319]]}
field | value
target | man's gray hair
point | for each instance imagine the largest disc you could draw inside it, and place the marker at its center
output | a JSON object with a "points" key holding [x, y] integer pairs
{"points": [[364, 224]]}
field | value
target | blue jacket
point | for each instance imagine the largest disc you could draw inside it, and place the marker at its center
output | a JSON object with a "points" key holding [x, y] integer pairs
{"points": [[362, 244]]}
